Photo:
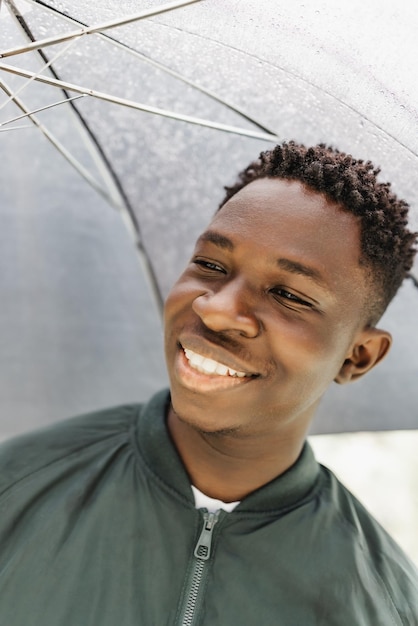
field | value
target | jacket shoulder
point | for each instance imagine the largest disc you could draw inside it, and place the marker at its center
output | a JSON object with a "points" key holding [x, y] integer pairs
{"points": [[27, 454], [381, 557]]}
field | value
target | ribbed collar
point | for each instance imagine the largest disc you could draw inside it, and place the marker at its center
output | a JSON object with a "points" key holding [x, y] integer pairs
{"points": [[298, 483]]}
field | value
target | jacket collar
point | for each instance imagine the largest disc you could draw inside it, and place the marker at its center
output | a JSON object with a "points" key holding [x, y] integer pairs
{"points": [[298, 483]]}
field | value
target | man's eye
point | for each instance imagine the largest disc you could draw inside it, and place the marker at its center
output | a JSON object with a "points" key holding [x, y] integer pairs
{"points": [[208, 265], [287, 296]]}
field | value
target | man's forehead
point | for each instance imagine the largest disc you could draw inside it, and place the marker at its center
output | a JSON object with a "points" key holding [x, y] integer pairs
{"points": [[268, 203], [272, 189]]}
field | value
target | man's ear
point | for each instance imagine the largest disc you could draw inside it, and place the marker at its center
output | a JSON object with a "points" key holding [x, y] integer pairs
{"points": [[371, 346]]}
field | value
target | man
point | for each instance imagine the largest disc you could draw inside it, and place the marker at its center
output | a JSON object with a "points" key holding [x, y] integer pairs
{"points": [[206, 506]]}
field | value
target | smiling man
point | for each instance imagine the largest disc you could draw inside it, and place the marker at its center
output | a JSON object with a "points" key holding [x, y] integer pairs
{"points": [[271, 309], [206, 506]]}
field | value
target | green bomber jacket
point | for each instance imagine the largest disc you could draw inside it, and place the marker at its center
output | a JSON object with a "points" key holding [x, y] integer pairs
{"points": [[98, 528]]}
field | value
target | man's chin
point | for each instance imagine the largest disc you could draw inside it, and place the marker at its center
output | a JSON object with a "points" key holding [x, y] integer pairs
{"points": [[204, 422]]}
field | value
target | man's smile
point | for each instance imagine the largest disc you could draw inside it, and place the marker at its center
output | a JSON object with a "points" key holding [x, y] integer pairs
{"points": [[198, 372], [209, 366]]}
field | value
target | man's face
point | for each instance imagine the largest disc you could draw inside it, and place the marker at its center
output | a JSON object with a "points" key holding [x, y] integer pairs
{"points": [[266, 312]]}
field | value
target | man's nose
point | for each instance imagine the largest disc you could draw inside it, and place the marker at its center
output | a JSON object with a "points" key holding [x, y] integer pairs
{"points": [[228, 309]]}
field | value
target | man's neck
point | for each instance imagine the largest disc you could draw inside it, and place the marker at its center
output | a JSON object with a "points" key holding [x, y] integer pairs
{"points": [[230, 466]]}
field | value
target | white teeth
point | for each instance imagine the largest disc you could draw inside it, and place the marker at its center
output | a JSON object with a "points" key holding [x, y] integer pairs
{"points": [[196, 359], [209, 366], [222, 369]]}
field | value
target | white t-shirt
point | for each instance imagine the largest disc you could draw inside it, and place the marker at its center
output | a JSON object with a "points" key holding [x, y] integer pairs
{"points": [[211, 504]]}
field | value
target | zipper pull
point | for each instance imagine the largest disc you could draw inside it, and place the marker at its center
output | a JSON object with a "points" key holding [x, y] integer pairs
{"points": [[203, 546]]}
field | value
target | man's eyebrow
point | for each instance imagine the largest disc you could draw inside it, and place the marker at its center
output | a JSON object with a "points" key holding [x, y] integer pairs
{"points": [[294, 267], [212, 236]]}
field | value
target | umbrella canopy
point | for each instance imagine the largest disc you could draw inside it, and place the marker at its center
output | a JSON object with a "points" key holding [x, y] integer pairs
{"points": [[168, 103]]}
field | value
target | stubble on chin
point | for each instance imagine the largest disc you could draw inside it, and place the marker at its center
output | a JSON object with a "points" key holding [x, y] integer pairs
{"points": [[215, 431]]}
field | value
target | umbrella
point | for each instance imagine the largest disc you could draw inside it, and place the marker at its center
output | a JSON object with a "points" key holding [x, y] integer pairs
{"points": [[113, 110]]}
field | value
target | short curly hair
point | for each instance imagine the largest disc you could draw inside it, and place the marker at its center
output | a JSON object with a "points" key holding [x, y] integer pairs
{"points": [[387, 245]]}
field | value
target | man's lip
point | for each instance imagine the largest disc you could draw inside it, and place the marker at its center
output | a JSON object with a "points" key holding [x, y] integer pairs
{"points": [[216, 353]]}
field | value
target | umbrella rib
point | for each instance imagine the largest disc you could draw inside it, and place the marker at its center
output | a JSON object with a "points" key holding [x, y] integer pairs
{"points": [[160, 66], [50, 41], [7, 130], [44, 108], [413, 278], [15, 14], [126, 216], [57, 144], [141, 107]]}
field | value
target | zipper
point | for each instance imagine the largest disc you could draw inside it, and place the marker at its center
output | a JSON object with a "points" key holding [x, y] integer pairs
{"points": [[202, 555]]}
